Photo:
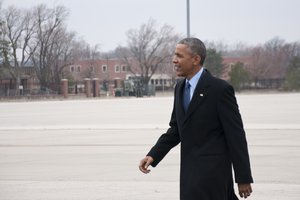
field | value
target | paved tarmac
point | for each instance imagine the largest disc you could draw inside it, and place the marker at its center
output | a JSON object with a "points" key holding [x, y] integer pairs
{"points": [[90, 149]]}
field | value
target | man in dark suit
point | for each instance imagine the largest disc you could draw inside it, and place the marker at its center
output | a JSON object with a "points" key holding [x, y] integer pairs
{"points": [[207, 123]]}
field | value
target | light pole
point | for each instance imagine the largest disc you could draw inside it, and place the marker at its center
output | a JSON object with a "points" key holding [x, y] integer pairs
{"points": [[188, 17]]}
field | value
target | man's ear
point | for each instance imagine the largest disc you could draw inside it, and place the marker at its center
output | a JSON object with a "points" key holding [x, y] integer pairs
{"points": [[197, 60]]}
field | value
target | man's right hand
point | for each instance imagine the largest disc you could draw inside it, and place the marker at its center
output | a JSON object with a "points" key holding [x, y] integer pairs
{"points": [[144, 164], [245, 190]]}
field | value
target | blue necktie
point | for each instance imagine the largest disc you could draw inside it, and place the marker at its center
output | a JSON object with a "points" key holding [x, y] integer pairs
{"points": [[186, 96]]}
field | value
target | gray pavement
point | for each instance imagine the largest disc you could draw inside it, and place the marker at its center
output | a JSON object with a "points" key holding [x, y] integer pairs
{"points": [[90, 149]]}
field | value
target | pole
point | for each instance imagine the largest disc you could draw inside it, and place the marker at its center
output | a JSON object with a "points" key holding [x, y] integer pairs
{"points": [[188, 17]]}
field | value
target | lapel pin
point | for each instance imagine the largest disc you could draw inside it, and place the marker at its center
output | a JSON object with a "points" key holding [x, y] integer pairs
{"points": [[201, 95]]}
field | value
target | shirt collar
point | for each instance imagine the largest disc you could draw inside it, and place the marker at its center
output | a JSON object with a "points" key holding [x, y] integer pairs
{"points": [[194, 80]]}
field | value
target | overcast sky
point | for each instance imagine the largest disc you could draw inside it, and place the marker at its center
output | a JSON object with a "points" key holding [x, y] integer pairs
{"points": [[252, 22]]}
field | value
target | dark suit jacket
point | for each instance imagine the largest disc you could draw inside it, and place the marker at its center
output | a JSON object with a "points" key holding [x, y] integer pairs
{"points": [[212, 140]]}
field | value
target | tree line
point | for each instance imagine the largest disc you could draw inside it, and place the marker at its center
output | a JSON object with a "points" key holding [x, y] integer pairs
{"points": [[38, 37]]}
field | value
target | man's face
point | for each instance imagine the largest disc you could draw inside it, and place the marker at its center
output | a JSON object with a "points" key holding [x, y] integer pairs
{"points": [[186, 64]]}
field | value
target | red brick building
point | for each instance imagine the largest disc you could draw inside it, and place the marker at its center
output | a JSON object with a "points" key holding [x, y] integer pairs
{"points": [[112, 73], [104, 70]]}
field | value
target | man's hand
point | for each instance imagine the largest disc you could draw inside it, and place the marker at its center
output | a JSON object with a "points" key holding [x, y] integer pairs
{"points": [[245, 190], [144, 164]]}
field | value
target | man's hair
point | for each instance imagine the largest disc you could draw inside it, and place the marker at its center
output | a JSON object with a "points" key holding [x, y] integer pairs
{"points": [[196, 46]]}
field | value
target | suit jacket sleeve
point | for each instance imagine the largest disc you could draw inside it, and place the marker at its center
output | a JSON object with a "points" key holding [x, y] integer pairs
{"points": [[235, 135], [166, 141]]}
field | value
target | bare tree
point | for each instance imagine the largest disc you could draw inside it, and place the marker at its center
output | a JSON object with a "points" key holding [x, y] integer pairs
{"points": [[12, 31], [258, 68], [270, 62], [80, 49], [49, 27], [4, 46], [19, 29], [148, 48], [278, 55], [62, 55]]}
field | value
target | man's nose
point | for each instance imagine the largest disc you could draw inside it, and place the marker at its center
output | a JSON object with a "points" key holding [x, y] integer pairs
{"points": [[174, 60]]}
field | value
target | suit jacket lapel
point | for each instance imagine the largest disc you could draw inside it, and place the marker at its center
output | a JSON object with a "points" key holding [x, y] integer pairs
{"points": [[199, 94], [180, 97]]}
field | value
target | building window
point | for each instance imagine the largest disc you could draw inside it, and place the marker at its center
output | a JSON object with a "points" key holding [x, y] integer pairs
{"points": [[124, 68], [104, 68], [78, 68], [72, 68], [117, 68], [156, 81], [152, 82], [92, 69]]}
